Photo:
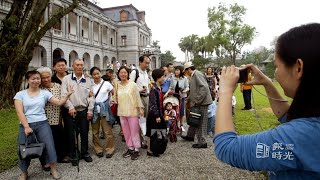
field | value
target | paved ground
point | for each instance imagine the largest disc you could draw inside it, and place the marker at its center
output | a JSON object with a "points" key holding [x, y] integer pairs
{"points": [[180, 161]]}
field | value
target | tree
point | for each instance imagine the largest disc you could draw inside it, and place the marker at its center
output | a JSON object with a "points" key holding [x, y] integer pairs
{"points": [[166, 58], [228, 29], [188, 44], [200, 62], [256, 56], [19, 35]]}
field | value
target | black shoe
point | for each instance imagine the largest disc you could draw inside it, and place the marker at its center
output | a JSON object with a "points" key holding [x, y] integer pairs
{"points": [[151, 154], [135, 155], [187, 138], [128, 153], [74, 162], [244, 109], [100, 154], [46, 168], [88, 158], [200, 145], [109, 155], [144, 146]]}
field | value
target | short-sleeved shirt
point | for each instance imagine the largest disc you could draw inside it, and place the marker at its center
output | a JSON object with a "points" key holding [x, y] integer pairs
{"points": [[104, 91], [53, 111], [33, 107]]}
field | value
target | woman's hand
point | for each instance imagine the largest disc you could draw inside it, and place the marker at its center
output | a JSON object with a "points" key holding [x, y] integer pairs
{"points": [[71, 91], [228, 79], [28, 131], [259, 77], [158, 120], [141, 113]]}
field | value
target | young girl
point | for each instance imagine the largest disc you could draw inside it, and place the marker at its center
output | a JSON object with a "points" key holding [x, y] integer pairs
{"points": [[169, 114]]}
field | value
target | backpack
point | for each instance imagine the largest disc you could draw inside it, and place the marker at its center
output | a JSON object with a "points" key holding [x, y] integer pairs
{"points": [[137, 75]]}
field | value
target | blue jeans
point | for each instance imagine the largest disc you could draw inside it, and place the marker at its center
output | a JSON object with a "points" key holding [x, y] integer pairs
{"points": [[211, 124], [43, 133]]}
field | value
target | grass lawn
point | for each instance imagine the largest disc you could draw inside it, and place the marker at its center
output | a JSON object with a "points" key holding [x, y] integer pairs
{"points": [[247, 122], [8, 139]]}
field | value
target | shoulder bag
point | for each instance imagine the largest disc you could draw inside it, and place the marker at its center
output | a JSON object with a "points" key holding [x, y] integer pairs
{"points": [[31, 150], [194, 118]]}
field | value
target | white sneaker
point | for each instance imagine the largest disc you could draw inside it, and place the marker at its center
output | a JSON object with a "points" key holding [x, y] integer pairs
{"points": [[182, 129]]}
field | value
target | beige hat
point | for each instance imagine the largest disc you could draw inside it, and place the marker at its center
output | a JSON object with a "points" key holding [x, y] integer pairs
{"points": [[187, 65]]}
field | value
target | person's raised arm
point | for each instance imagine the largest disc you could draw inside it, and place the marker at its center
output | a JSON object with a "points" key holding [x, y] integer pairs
{"points": [[227, 85], [63, 100], [278, 104]]}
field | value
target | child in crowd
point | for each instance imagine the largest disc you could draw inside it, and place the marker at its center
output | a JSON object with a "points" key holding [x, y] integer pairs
{"points": [[234, 102], [169, 114], [211, 118]]}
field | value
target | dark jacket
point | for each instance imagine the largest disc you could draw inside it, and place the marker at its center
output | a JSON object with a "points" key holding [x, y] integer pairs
{"points": [[155, 110]]}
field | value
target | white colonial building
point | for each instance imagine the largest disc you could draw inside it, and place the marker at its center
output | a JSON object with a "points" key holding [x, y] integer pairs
{"points": [[100, 36]]}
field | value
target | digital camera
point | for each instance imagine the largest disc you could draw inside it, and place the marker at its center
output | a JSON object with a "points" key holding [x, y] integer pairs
{"points": [[243, 75]]}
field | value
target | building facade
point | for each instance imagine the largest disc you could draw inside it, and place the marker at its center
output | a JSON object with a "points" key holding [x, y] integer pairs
{"points": [[99, 36]]}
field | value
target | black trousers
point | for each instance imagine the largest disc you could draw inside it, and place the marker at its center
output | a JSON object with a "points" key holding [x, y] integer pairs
{"points": [[78, 125], [247, 98]]}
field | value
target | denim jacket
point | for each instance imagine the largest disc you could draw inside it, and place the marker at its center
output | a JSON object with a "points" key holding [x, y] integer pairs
{"points": [[105, 112]]}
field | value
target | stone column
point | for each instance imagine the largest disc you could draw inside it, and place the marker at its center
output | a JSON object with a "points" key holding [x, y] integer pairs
{"points": [[92, 22], [80, 28], [99, 36], [67, 26]]}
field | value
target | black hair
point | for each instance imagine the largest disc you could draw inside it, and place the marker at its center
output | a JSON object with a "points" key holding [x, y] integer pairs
{"points": [[181, 70], [193, 68], [110, 71], [303, 43], [211, 69], [141, 58], [31, 73], [157, 73], [165, 107], [127, 69], [169, 64], [55, 61], [93, 69]]}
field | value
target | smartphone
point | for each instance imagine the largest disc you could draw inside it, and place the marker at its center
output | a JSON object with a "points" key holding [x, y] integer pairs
{"points": [[243, 75]]}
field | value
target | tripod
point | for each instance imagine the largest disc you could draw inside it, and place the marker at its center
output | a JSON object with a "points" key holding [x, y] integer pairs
{"points": [[75, 133]]}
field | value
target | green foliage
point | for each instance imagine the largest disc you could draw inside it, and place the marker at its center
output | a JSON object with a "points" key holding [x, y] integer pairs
{"points": [[166, 58], [8, 139], [269, 71], [200, 62], [256, 56], [228, 29]]}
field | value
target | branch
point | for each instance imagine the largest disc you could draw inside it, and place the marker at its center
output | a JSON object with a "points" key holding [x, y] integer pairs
{"points": [[55, 19], [26, 13]]}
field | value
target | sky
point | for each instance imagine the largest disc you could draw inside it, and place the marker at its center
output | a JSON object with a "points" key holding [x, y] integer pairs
{"points": [[170, 20]]}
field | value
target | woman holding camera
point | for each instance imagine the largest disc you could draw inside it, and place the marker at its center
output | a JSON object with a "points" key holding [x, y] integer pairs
{"points": [[30, 108], [291, 150], [179, 84]]}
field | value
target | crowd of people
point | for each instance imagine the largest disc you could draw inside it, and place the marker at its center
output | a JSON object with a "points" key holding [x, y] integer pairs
{"points": [[58, 107]]}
